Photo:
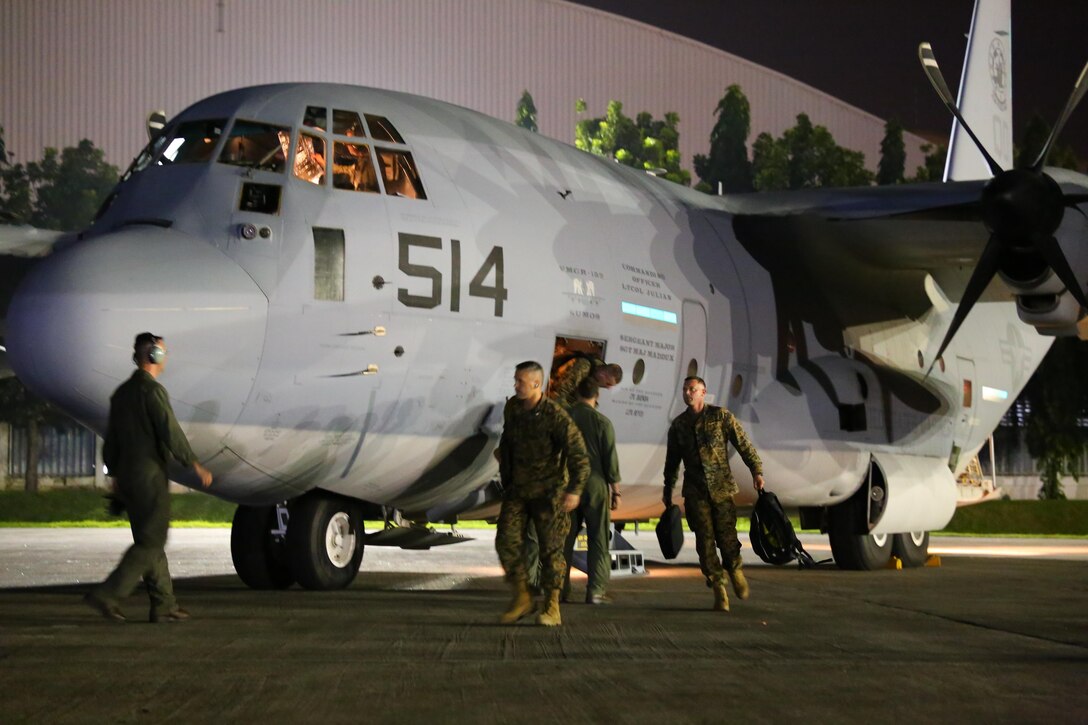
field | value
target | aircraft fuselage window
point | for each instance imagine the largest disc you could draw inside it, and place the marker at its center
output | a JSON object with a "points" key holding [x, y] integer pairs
{"points": [[329, 264], [193, 143], [967, 395], [255, 145], [347, 123], [352, 167], [399, 173], [382, 130], [310, 158], [315, 118], [263, 198]]}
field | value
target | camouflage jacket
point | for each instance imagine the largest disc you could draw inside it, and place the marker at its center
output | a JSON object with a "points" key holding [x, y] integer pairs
{"points": [[143, 434], [700, 441], [565, 390], [542, 452]]}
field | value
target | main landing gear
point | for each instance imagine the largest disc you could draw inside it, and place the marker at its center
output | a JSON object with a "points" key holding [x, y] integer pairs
{"points": [[321, 549]]}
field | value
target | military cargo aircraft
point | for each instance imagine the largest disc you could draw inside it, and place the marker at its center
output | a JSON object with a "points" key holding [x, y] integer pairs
{"points": [[347, 277]]}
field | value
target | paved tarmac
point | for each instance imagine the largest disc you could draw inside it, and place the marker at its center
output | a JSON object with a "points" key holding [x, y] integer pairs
{"points": [[985, 637]]}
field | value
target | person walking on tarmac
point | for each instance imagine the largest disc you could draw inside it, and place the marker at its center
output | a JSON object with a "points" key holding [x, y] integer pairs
{"points": [[600, 496], [141, 438], [698, 437], [543, 468]]}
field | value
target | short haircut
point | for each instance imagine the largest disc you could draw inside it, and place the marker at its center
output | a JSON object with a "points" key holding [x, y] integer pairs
{"points": [[615, 371], [141, 348], [531, 366], [697, 379], [588, 389]]}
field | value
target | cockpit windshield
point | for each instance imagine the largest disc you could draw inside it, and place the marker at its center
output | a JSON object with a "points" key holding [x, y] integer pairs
{"points": [[257, 145], [193, 142]]}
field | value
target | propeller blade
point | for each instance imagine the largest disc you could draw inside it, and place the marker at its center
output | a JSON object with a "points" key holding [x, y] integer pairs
{"points": [[1052, 253], [936, 78], [984, 272], [1079, 89]]}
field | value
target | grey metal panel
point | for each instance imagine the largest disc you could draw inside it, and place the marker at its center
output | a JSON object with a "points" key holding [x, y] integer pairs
{"points": [[65, 451], [73, 69]]}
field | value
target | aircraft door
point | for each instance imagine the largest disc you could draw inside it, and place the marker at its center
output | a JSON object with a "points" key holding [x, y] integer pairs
{"points": [[692, 357], [965, 420]]}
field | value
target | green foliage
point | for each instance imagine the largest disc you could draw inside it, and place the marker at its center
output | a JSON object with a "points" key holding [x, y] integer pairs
{"points": [[1035, 135], [932, 168], [89, 505], [727, 163], [1058, 393], [642, 143], [526, 113], [1030, 518], [806, 156], [62, 191], [893, 154]]}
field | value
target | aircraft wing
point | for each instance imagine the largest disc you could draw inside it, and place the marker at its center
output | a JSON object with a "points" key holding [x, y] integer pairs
{"points": [[860, 256]]}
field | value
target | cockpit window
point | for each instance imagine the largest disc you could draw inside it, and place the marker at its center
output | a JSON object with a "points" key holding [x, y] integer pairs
{"points": [[310, 158], [193, 142], [352, 168], [399, 173], [347, 123], [381, 129], [145, 157], [256, 145], [315, 118]]}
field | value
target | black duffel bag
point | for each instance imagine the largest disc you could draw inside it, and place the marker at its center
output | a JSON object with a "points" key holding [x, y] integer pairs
{"points": [[670, 532]]}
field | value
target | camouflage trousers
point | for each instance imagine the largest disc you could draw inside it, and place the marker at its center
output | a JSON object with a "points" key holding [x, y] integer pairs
{"points": [[715, 527], [551, 523]]}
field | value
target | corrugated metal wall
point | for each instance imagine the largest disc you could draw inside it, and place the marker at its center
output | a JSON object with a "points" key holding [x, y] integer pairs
{"points": [[73, 69], [65, 451]]}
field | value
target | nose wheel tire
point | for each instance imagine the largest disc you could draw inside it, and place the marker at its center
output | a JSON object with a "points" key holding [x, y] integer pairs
{"points": [[260, 556], [325, 541]]}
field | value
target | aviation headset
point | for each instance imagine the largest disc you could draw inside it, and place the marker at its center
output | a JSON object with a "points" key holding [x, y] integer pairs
{"points": [[155, 354]]}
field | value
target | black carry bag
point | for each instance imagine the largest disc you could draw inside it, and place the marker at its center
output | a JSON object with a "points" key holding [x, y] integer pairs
{"points": [[772, 534], [670, 532]]}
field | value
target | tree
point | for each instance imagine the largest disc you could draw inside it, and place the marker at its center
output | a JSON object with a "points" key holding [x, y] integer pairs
{"points": [[22, 408], [893, 154], [932, 168], [727, 163], [643, 143], [806, 156], [1058, 394], [62, 191], [526, 113], [1035, 135]]}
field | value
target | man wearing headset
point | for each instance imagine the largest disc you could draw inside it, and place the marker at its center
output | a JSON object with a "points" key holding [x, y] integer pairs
{"points": [[143, 435], [543, 467]]}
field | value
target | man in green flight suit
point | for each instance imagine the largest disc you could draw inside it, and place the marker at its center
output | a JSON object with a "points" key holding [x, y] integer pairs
{"points": [[601, 493], [698, 437], [142, 437], [543, 467]]}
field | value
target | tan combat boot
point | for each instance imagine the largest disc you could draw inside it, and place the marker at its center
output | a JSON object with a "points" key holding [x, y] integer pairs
{"points": [[520, 605], [740, 584], [721, 598], [550, 616]]}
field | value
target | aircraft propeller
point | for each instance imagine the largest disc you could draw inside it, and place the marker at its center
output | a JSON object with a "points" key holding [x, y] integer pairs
{"points": [[1021, 208]]}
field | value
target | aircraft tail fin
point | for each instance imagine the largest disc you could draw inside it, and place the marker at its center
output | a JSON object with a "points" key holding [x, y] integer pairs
{"points": [[985, 97]]}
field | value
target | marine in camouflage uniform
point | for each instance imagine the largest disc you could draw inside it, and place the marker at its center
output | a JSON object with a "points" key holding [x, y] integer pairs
{"points": [[143, 435], [699, 438], [543, 467], [565, 390]]}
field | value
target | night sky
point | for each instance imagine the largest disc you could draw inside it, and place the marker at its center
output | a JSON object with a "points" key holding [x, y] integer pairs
{"points": [[865, 51]]}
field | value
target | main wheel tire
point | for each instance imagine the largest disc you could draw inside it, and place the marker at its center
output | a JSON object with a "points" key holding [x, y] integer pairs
{"points": [[325, 541], [912, 548], [863, 552], [260, 558]]}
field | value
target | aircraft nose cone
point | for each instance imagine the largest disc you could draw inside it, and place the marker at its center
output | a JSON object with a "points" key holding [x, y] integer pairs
{"points": [[71, 326]]}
